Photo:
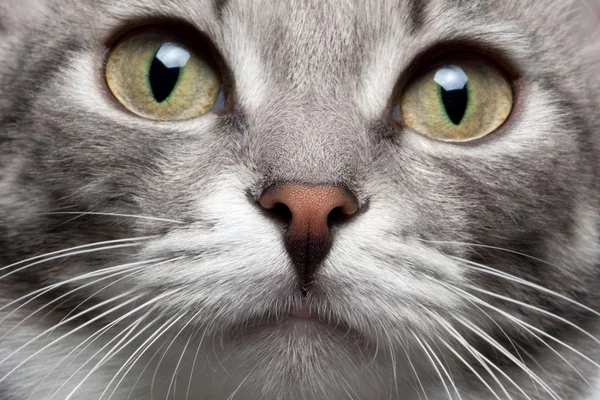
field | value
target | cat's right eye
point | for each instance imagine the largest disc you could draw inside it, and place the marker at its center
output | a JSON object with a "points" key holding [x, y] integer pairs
{"points": [[156, 76], [463, 98]]}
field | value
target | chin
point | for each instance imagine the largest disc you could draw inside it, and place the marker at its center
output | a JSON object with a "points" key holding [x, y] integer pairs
{"points": [[297, 358], [300, 358]]}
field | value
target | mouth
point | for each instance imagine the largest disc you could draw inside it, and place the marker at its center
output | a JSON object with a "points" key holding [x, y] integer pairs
{"points": [[302, 311]]}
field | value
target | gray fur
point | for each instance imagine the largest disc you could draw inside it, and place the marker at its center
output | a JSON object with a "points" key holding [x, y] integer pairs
{"points": [[312, 86]]}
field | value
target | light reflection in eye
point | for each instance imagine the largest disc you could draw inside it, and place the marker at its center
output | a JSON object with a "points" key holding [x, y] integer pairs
{"points": [[451, 77], [220, 104], [173, 55]]}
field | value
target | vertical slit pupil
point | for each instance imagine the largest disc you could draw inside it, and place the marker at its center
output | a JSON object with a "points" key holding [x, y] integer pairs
{"points": [[166, 69], [162, 80], [454, 90], [455, 103]]}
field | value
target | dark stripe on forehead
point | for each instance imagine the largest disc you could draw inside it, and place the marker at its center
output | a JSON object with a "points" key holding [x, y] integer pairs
{"points": [[219, 6], [416, 15]]}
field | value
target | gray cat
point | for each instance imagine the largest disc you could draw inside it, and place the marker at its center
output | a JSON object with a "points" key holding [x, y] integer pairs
{"points": [[299, 199]]}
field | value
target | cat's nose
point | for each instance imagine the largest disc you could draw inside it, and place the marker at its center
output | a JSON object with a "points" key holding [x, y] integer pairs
{"points": [[308, 211]]}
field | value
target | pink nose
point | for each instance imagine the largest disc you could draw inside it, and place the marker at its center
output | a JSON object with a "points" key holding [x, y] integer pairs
{"points": [[310, 210]]}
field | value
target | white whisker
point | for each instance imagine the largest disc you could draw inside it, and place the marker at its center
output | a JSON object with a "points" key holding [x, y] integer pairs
{"points": [[483, 361], [103, 330], [139, 352], [177, 368], [70, 254], [433, 364], [126, 271], [116, 350], [492, 271], [40, 292], [523, 324], [506, 353], [193, 366], [468, 365], [190, 320], [241, 384], [70, 332], [530, 327], [540, 310], [493, 248], [116, 215], [145, 368], [129, 273], [450, 379], [416, 376], [84, 246], [393, 361], [92, 338]]}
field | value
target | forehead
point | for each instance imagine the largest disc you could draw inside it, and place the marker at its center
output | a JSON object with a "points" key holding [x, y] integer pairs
{"points": [[323, 37]]}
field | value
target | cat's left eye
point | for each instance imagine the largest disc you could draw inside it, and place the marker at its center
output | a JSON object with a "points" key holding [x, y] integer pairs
{"points": [[463, 98], [157, 77]]}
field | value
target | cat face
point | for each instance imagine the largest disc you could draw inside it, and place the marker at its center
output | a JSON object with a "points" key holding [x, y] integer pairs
{"points": [[415, 237]]}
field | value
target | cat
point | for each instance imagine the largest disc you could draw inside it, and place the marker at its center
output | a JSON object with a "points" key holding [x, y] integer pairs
{"points": [[299, 199]]}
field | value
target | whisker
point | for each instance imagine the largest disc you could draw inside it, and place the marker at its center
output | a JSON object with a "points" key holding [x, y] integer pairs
{"points": [[468, 365], [241, 384], [483, 246], [70, 254], [522, 325], [450, 379], [139, 352], [145, 368], [193, 366], [349, 387], [116, 215], [136, 269], [84, 246], [416, 376], [177, 368], [393, 361], [114, 350], [505, 352], [40, 292], [538, 365], [190, 320], [96, 335], [118, 297], [537, 309], [492, 271], [433, 364], [529, 327], [483, 361], [103, 330]]}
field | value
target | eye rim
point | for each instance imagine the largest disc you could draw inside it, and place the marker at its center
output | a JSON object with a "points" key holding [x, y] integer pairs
{"points": [[442, 52], [181, 32]]}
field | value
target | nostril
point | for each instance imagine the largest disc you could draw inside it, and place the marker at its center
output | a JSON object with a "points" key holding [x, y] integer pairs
{"points": [[280, 212], [338, 215]]}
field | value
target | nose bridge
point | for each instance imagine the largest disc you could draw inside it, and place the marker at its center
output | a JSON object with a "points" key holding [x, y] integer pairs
{"points": [[310, 143]]}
